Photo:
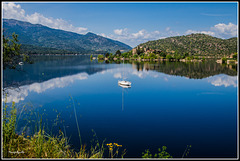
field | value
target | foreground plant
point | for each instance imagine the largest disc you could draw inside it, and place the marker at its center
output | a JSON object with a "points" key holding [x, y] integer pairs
{"points": [[114, 150], [162, 153], [41, 144]]}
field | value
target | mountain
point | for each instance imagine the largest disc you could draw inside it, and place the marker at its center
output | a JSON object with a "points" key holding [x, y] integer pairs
{"points": [[198, 44], [55, 39]]}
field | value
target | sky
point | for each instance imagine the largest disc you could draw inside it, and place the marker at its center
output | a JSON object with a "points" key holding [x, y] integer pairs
{"points": [[130, 22]]}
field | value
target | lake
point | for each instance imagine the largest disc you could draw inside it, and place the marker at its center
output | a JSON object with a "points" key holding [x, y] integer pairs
{"points": [[172, 104]]}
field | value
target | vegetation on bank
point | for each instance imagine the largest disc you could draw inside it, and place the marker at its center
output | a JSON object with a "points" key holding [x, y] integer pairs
{"points": [[38, 50], [44, 145], [11, 52], [161, 153], [196, 44], [232, 59], [153, 55], [194, 47]]}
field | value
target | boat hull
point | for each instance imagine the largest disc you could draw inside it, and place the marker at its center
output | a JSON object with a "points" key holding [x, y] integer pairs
{"points": [[125, 83], [124, 86]]}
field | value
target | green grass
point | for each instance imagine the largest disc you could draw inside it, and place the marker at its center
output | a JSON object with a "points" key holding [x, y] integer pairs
{"points": [[43, 145], [161, 154]]}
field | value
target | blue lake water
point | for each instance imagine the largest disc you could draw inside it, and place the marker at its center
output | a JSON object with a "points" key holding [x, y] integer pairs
{"points": [[170, 104]]}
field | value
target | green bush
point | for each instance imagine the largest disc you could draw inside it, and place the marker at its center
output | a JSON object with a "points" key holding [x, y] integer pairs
{"points": [[162, 153], [224, 60], [169, 56], [235, 56], [100, 56]]}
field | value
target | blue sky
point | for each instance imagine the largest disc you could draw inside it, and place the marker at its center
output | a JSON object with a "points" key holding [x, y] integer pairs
{"points": [[131, 22]]}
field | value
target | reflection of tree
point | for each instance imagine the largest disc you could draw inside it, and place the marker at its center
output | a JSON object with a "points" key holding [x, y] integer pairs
{"points": [[49, 67], [197, 70]]}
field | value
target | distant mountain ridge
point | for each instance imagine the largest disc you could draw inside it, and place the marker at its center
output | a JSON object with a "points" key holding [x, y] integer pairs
{"points": [[196, 44], [42, 36]]}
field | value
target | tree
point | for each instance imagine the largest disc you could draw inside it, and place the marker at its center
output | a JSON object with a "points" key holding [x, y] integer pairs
{"points": [[118, 52], [11, 52], [168, 56], [152, 56], [224, 60], [100, 56], [107, 55], [235, 56], [163, 54], [178, 56]]}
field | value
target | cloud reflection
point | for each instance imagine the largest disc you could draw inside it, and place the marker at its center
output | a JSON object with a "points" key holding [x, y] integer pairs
{"points": [[223, 80], [18, 94], [117, 75]]}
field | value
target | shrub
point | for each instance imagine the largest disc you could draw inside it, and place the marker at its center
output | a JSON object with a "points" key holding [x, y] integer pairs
{"points": [[100, 56], [224, 60], [162, 153], [169, 56]]}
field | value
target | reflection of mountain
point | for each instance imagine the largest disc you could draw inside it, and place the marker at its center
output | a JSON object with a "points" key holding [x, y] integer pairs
{"points": [[19, 93], [46, 68], [50, 67], [191, 70]]}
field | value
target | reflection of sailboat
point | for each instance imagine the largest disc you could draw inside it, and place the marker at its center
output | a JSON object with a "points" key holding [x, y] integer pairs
{"points": [[123, 88], [124, 82]]}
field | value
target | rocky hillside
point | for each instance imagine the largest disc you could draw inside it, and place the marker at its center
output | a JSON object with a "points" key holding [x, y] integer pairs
{"points": [[196, 44]]}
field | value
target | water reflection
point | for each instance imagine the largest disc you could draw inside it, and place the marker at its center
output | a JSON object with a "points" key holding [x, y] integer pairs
{"points": [[17, 94], [189, 108], [58, 72], [223, 80], [197, 70], [20, 93], [46, 68], [124, 89]]}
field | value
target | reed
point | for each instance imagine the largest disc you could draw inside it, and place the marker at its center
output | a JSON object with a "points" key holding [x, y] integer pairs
{"points": [[40, 144], [76, 120]]}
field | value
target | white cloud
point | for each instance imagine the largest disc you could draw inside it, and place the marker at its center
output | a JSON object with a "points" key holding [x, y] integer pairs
{"points": [[121, 31], [102, 34], [13, 11], [167, 29], [224, 30], [118, 31], [220, 30], [136, 37], [141, 36], [140, 33], [203, 32]]}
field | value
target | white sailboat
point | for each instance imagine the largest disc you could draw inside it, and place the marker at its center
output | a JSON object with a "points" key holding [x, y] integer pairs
{"points": [[123, 83]]}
